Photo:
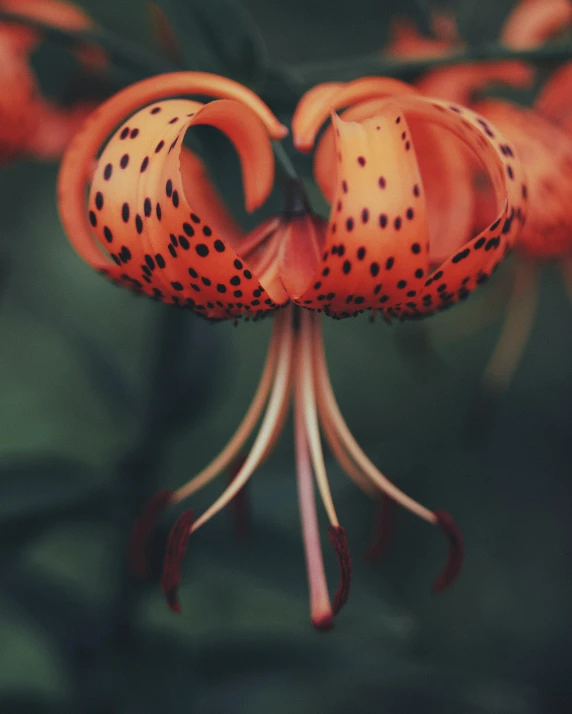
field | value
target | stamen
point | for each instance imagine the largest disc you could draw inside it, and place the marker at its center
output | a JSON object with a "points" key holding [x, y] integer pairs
{"points": [[240, 503], [340, 542], [174, 554], [516, 329], [141, 532], [454, 556], [347, 439], [305, 380], [271, 423], [248, 423], [342, 457], [384, 528], [320, 607]]}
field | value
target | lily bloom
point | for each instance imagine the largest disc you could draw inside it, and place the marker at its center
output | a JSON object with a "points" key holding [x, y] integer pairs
{"points": [[32, 124], [544, 149], [155, 225]]}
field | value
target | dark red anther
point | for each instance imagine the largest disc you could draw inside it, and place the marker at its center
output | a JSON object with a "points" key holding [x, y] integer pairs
{"points": [[384, 528], [174, 554], [240, 503], [141, 532], [454, 556], [339, 540]]}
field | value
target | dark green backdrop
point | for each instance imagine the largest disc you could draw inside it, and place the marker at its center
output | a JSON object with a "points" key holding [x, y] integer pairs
{"points": [[79, 366]]}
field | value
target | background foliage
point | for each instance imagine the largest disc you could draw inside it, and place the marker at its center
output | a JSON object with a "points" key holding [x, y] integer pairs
{"points": [[89, 373]]}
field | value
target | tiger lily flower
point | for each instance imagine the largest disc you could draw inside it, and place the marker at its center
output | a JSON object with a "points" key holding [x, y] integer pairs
{"points": [[32, 124], [544, 149], [154, 224]]}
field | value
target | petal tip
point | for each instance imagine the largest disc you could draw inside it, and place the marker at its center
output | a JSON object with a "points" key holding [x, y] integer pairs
{"points": [[454, 561], [174, 554]]}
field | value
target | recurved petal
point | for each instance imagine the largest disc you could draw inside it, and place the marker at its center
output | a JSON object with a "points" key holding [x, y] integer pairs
{"points": [[156, 230], [316, 105], [534, 21], [77, 167], [390, 239], [473, 263], [545, 151], [555, 98], [56, 13], [450, 200], [377, 247], [18, 100], [459, 83]]}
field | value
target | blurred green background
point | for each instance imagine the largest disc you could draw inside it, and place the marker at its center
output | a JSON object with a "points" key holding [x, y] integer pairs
{"points": [[84, 370]]}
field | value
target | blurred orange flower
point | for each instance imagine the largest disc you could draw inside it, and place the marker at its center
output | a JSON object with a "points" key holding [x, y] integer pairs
{"points": [[31, 124]]}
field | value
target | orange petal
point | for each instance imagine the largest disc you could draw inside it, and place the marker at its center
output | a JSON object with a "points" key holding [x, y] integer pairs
{"points": [[155, 230], [55, 128], [376, 251], [546, 155], [18, 102], [406, 40], [197, 183], [378, 218], [459, 83], [78, 160], [477, 259], [449, 221], [555, 99], [56, 13], [316, 105], [534, 21]]}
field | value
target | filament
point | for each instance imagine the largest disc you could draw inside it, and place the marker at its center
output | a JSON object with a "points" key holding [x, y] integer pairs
{"points": [[246, 426], [268, 428], [305, 393], [320, 607], [348, 441], [516, 329]]}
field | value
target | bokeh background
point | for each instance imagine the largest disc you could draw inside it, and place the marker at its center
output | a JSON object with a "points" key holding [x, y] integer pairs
{"points": [[106, 397]]}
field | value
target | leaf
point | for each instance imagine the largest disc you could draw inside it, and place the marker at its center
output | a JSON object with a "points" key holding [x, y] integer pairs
{"points": [[37, 491]]}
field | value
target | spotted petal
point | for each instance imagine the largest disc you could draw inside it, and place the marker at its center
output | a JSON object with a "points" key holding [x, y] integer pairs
{"points": [[316, 105], [546, 155], [377, 246], [450, 221], [139, 209], [377, 243]]}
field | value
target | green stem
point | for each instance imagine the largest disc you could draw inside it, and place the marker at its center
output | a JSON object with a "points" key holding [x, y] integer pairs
{"points": [[306, 75]]}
